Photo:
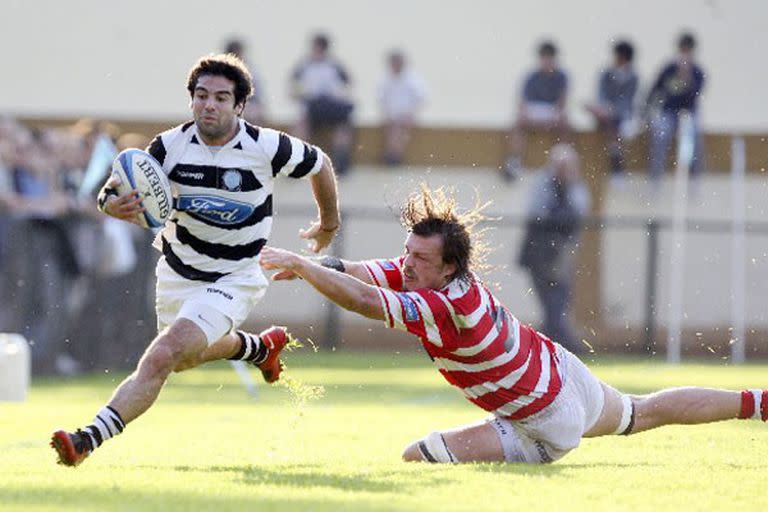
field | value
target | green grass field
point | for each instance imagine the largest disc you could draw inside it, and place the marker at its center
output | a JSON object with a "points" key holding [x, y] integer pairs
{"points": [[207, 446]]}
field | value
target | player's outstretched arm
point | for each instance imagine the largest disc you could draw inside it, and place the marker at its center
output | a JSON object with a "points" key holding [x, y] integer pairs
{"points": [[124, 207], [343, 289], [322, 231], [355, 269]]}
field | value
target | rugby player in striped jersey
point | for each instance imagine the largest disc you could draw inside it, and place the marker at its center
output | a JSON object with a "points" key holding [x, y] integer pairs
{"points": [[221, 170], [543, 400]]}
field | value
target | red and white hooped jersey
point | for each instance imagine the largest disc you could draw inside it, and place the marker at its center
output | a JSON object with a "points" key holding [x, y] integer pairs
{"points": [[499, 364]]}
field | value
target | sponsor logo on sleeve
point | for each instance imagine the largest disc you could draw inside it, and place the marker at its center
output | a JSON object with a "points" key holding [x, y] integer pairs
{"points": [[409, 306]]}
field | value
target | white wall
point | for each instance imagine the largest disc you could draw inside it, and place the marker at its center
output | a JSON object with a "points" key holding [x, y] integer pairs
{"points": [[129, 59]]}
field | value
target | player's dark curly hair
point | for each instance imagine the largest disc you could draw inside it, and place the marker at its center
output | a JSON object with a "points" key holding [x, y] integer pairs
{"points": [[435, 212], [227, 65]]}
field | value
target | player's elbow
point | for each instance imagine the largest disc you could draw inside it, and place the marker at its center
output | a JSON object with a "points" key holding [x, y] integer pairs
{"points": [[369, 304]]}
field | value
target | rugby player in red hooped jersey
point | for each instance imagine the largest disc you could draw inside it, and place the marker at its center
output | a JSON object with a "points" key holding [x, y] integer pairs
{"points": [[542, 398]]}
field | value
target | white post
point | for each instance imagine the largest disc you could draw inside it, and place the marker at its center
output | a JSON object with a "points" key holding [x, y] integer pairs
{"points": [[738, 243], [245, 377], [685, 148], [15, 367]]}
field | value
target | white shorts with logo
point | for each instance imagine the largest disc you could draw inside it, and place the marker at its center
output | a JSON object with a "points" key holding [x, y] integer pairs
{"points": [[558, 428], [216, 307]]}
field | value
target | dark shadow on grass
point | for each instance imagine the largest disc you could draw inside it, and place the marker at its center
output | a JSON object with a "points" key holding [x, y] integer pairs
{"points": [[122, 499], [546, 470], [312, 475]]}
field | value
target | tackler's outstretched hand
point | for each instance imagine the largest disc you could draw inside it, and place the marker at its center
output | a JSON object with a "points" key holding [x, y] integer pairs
{"points": [[285, 262], [320, 237]]}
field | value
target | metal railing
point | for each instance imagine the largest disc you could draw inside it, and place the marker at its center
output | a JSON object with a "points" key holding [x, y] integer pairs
{"points": [[651, 227]]}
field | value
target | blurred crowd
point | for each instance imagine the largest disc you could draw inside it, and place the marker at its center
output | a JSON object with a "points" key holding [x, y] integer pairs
{"points": [[64, 265], [322, 85], [61, 259]]}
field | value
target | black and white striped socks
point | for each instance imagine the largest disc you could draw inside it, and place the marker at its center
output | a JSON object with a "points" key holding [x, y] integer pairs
{"points": [[106, 424], [251, 349]]}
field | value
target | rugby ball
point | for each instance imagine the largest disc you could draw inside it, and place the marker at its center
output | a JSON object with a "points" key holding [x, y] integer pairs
{"points": [[137, 169]]}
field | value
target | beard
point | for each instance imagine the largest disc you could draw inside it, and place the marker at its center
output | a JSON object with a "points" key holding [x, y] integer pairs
{"points": [[213, 131]]}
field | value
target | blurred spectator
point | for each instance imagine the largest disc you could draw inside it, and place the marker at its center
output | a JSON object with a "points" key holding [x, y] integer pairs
{"points": [[45, 264], [7, 192], [676, 89], [53, 246], [614, 108], [401, 96], [132, 140], [542, 107], [254, 107], [321, 85], [559, 200]]}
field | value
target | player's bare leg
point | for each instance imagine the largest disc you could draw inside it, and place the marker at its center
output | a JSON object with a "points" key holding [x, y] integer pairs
{"points": [[223, 348], [262, 350], [184, 340], [182, 346], [473, 443], [677, 406], [685, 406], [181, 341]]}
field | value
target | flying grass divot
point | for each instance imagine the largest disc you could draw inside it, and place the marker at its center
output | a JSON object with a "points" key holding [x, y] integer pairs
{"points": [[301, 393]]}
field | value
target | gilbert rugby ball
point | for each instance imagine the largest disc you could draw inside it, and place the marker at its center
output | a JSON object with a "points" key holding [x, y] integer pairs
{"points": [[137, 169]]}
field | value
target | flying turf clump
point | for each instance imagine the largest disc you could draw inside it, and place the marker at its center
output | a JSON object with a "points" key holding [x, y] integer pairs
{"points": [[301, 393]]}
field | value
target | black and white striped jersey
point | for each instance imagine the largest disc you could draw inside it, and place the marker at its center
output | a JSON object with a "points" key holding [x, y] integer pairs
{"points": [[222, 213]]}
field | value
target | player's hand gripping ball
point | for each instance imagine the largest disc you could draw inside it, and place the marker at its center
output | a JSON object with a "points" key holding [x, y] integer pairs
{"points": [[137, 169]]}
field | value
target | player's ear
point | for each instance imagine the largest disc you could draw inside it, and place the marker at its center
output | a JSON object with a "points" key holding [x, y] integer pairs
{"points": [[239, 108], [449, 269]]}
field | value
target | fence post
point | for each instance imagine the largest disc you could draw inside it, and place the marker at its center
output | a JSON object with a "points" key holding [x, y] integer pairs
{"points": [[651, 268], [738, 251], [686, 151], [332, 324]]}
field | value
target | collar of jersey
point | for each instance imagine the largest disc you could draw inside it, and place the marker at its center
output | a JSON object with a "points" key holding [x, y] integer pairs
{"points": [[234, 140]]}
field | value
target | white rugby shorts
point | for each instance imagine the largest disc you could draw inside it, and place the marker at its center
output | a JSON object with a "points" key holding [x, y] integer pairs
{"points": [[231, 297], [558, 428]]}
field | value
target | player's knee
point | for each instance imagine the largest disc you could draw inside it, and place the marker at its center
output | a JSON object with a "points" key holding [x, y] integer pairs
{"points": [[185, 364], [159, 360], [432, 448], [412, 454]]}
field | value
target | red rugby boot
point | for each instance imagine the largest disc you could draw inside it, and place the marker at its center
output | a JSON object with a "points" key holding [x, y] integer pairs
{"points": [[72, 448], [275, 339]]}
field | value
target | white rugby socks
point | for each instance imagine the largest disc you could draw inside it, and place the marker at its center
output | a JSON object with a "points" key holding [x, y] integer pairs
{"points": [[251, 349], [106, 424]]}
